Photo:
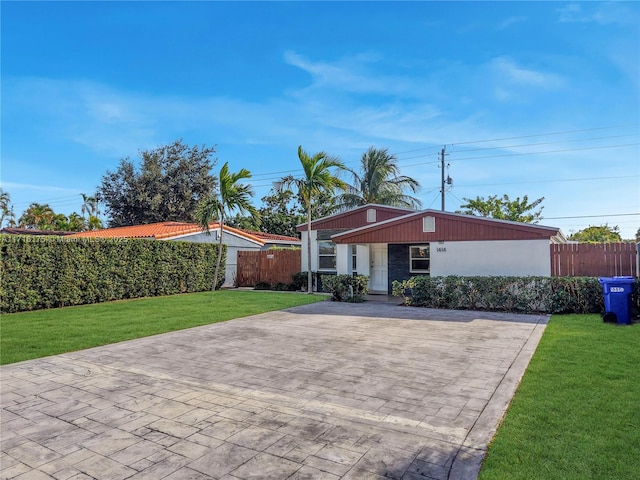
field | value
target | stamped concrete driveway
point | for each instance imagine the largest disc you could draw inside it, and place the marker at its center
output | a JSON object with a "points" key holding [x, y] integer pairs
{"points": [[323, 391]]}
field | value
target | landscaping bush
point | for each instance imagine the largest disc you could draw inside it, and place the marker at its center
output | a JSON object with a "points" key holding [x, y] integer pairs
{"points": [[511, 294], [283, 287], [276, 287], [300, 280], [346, 288], [46, 272], [262, 286]]}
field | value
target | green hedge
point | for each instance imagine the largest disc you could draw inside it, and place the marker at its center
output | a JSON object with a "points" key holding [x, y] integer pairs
{"points": [[346, 288], [511, 294], [47, 272]]}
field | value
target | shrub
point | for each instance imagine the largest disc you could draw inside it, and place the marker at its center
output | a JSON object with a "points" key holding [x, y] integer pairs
{"points": [[346, 288], [511, 294], [283, 287], [300, 280], [262, 286], [46, 272]]}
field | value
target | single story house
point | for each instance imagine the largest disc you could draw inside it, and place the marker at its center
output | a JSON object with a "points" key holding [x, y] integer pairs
{"points": [[388, 243], [234, 238]]}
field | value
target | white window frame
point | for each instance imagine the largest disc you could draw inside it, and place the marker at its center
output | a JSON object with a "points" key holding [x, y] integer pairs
{"points": [[428, 258], [354, 258], [325, 255]]}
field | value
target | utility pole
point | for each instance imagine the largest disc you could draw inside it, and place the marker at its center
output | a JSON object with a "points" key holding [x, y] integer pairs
{"points": [[442, 171]]}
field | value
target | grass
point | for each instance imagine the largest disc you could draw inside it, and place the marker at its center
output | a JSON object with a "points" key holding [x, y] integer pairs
{"points": [[576, 414], [28, 335]]}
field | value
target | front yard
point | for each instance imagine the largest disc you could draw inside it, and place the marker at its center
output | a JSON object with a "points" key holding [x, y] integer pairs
{"points": [[576, 414], [28, 335]]}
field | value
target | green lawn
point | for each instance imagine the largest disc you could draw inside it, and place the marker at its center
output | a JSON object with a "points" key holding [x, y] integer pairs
{"points": [[576, 414], [28, 335]]}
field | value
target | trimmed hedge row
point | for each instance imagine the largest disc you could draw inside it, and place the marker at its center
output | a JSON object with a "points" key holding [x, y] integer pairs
{"points": [[47, 272], [511, 294]]}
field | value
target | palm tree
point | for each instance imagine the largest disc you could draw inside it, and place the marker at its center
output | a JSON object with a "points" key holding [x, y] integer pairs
{"points": [[317, 180], [6, 210], [76, 223], [89, 205], [379, 181], [38, 216], [232, 196]]}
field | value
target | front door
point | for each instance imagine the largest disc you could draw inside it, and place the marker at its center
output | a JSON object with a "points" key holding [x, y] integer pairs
{"points": [[378, 275]]}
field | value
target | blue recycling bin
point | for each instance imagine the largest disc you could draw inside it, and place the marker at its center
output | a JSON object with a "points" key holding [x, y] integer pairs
{"points": [[617, 298]]}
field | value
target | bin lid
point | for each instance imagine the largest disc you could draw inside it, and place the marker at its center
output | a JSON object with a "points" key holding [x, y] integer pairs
{"points": [[616, 279]]}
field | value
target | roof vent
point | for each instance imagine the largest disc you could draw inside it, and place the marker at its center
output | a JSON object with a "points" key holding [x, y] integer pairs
{"points": [[371, 215], [428, 224]]}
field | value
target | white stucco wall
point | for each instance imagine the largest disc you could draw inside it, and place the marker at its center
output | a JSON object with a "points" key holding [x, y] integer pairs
{"points": [[314, 251], [363, 260], [233, 242], [487, 258], [343, 259]]}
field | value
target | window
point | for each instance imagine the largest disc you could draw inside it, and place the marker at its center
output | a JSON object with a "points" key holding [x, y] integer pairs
{"points": [[354, 258], [419, 259], [326, 255]]}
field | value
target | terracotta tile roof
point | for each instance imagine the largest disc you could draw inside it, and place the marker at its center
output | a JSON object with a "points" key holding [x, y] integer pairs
{"points": [[164, 230], [270, 237], [152, 230]]}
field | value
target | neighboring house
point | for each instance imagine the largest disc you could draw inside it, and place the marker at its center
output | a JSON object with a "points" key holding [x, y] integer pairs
{"points": [[32, 231], [388, 243], [235, 239]]}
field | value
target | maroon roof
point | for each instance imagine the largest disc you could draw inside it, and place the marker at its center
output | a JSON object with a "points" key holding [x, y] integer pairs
{"points": [[448, 227], [355, 218], [32, 231]]}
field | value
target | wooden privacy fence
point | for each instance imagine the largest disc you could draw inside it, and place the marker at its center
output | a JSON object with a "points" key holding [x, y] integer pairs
{"points": [[593, 260], [270, 266]]}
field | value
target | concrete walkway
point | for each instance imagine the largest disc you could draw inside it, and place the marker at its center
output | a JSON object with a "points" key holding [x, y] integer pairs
{"points": [[323, 391]]}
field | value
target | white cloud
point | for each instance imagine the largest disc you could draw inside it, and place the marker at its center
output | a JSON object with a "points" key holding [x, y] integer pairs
{"points": [[508, 22], [508, 70], [353, 75], [39, 188], [607, 13]]}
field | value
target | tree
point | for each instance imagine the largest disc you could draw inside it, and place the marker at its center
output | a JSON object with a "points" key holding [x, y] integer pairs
{"points": [[89, 207], [317, 180], [75, 223], [38, 217], [94, 223], [168, 185], [638, 235], [280, 214], [597, 234], [232, 196], [379, 181], [6, 209], [504, 208]]}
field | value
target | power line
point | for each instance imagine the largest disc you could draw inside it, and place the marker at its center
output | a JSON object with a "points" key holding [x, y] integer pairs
{"points": [[546, 134], [548, 181], [272, 176], [594, 216], [267, 174], [502, 147], [549, 151]]}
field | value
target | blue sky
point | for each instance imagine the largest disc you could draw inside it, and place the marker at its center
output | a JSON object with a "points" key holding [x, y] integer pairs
{"points": [[530, 98]]}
